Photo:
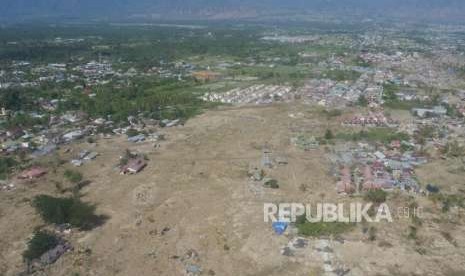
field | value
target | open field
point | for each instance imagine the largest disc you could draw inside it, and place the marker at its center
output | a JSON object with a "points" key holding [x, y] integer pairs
{"points": [[195, 205]]}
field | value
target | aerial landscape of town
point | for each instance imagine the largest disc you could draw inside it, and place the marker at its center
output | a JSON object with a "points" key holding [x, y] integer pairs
{"points": [[150, 147]]}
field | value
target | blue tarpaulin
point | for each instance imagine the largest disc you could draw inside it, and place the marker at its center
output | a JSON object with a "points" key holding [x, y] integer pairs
{"points": [[279, 227]]}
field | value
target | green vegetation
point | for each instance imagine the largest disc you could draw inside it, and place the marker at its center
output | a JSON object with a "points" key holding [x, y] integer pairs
{"points": [[412, 233], [73, 176], [376, 196], [318, 229], [332, 113], [424, 133], [132, 132], [329, 134], [448, 201], [41, 242], [342, 75], [6, 165], [272, 183], [164, 99], [384, 135], [126, 157], [66, 210], [362, 101], [453, 149], [392, 101]]}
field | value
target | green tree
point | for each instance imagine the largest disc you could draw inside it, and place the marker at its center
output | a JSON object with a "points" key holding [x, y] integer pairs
{"points": [[362, 101], [376, 196], [66, 210], [329, 135]]}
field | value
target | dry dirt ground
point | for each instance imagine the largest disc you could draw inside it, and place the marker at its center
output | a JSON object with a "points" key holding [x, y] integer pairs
{"points": [[195, 205]]}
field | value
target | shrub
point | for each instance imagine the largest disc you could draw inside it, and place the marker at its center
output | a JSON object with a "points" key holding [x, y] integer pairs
{"points": [[412, 233], [273, 184], [41, 242], [376, 196], [448, 201], [6, 164], [432, 189], [66, 210], [329, 134], [73, 176], [126, 157], [362, 101], [453, 149]]}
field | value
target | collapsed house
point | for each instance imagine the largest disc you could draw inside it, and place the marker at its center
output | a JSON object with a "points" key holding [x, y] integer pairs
{"points": [[49, 257], [33, 173], [134, 166], [54, 254]]}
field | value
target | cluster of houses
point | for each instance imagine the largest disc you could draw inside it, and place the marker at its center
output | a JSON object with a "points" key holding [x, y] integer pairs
{"points": [[363, 167], [373, 119], [256, 94], [18, 73], [394, 59], [329, 93], [43, 139]]}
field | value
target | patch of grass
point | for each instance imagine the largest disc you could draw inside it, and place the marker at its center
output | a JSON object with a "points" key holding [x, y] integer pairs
{"points": [[412, 235], [132, 132], [41, 242], [73, 176], [342, 75], [384, 135], [332, 113], [448, 201], [392, 101], [317, 229]]}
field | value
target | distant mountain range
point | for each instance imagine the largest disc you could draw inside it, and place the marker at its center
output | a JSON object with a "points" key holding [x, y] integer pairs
{"points": [[16, 10]]}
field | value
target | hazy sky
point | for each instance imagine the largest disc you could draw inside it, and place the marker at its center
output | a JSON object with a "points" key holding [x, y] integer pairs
{"points": [[26, 9]]}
